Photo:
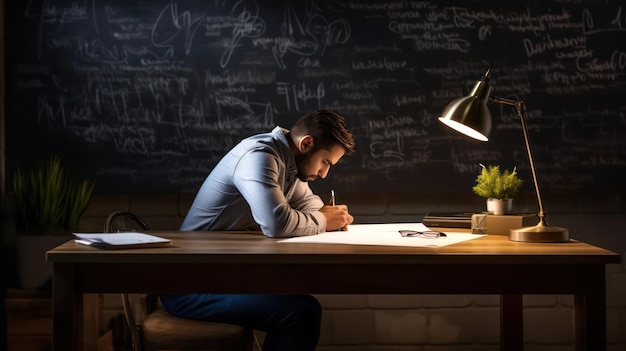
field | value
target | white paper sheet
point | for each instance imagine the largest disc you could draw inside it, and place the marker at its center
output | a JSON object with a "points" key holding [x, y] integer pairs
{"points": [[386, 234]]}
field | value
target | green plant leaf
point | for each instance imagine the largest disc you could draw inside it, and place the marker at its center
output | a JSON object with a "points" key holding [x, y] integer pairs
{"points": [[491, 183], [48, 198]]}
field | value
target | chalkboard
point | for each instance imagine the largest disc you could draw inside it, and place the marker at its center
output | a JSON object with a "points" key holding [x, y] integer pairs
{"points": [[147, 96]]}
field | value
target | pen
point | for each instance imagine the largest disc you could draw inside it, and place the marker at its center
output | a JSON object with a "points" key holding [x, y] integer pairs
{"points": [[332, 203]]}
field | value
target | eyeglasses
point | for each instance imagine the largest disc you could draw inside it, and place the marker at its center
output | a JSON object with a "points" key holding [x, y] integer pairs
{"points": [[425, 234]]}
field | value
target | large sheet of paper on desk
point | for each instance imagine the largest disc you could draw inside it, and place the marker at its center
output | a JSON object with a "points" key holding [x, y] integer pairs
{"points": [[383, 234]]}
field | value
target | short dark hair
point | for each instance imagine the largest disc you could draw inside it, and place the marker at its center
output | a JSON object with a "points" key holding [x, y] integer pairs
{"points": [[327, 128]]}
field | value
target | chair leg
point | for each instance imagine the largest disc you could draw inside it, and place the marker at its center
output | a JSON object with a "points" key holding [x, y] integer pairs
{"points": [[132, 324]]}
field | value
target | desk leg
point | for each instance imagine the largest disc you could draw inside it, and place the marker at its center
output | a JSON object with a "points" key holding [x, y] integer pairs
{"points": [[511, 323], [590, 312], [66, 309], [91, 321]]}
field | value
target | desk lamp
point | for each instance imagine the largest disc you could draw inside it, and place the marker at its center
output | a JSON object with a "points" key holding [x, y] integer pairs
{"points": [[470, 115]]}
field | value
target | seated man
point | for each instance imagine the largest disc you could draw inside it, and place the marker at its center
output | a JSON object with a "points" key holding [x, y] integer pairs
{"points": [[261, 184]]}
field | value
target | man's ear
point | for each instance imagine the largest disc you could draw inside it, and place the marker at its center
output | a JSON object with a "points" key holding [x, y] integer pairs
{"points": [[306, 144]]}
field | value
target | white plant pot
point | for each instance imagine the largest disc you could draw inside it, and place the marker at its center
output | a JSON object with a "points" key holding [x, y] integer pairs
{"points": [[499, 207], [34, 271]]}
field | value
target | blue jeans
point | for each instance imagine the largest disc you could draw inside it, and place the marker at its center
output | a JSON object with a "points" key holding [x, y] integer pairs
{"points": [[291, 322]]}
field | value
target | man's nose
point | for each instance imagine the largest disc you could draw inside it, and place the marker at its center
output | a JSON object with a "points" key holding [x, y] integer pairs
{"points": [[323, 172]]}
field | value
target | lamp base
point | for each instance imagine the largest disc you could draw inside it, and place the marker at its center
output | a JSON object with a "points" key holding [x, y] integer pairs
{"points": [[541, 233]]}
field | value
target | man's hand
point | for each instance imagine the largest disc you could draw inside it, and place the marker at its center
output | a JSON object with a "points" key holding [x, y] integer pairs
{"points": [[337, 217]]}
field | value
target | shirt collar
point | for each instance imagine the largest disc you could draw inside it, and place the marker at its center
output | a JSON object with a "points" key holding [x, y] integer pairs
{"points": [[280, 134]]}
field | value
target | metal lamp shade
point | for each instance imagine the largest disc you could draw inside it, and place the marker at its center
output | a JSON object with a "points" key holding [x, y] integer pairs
{"points": [[468, 115]]}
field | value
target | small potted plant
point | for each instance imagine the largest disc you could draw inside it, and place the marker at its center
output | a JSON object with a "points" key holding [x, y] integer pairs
{"points": [[499, 188], [49, 203]]}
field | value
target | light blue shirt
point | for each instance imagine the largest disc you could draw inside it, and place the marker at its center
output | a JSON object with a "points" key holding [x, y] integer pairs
{"points": [[256, 186]]}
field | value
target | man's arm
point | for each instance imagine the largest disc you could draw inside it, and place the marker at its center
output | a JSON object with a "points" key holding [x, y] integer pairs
{"points": [[259, 177]]}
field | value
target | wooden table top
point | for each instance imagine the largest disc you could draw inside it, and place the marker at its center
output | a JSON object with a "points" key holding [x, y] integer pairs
{"points": [[253, 247]]}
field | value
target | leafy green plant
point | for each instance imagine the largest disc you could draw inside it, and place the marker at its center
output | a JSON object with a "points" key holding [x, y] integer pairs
{"points": [[48, 199], [493, 184]]}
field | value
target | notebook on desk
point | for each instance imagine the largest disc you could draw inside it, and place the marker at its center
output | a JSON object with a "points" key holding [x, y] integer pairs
{"points": [[116, 241], [448, 219]]}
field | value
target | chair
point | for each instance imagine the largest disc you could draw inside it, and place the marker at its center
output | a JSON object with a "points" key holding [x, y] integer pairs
{"points": [[158, 330]]}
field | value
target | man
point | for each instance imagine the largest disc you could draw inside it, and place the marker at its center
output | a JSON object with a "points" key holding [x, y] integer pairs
{"points": [[261, 184]]}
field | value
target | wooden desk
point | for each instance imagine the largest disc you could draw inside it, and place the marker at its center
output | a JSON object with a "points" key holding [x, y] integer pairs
{"points": [[251, 263]]}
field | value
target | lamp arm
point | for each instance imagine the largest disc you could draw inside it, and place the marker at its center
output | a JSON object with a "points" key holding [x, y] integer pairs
{"points": [[520, 107]]}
